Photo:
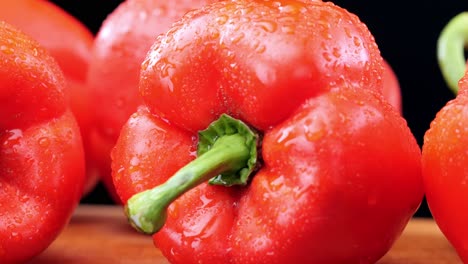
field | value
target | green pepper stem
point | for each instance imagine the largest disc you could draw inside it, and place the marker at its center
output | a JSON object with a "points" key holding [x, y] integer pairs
{"points": [[451, 50], [147, 211]]}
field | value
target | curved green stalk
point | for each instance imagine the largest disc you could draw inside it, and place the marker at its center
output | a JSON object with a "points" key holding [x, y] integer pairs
{"points": [[451, 50], [227, 154]]}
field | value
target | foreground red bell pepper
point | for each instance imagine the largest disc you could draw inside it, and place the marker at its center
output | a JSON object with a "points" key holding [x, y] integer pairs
{"points": [[42, 161], [307, 162], [120, 46], [69, 42], [445, 147]]}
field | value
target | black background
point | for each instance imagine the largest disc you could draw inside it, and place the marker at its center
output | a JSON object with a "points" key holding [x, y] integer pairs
{"points": [[406, 32]]}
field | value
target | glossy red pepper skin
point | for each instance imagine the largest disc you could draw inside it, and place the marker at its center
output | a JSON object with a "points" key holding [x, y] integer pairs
{"points": [[69, 42], [120, 46], [42, 169], [346, 54], [445, 146], [391, 86], [341, 170], [445, 159]]}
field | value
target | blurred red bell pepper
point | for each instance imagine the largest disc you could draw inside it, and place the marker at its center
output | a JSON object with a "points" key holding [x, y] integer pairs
{"points": [[391, 87], [307, 162], [69, 42], [42, 161], [445, 146], [120, 46]]}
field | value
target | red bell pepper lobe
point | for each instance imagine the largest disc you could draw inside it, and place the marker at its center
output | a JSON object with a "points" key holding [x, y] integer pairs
{"points": [[42, 169], [120, 46], [266, 139], [445, 147], [69, 42]]}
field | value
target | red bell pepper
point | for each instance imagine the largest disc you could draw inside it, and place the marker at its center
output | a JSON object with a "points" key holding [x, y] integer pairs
{"points": [[391, 87], [69, 42], [306, 162], [42, 161], [120, 46], [445, 146]]}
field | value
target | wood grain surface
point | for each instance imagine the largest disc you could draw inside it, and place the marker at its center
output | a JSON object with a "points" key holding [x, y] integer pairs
{"points": [[100, 234]]}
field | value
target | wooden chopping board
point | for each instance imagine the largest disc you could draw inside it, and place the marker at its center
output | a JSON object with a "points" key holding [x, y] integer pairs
{"points": [[100, 234]]}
